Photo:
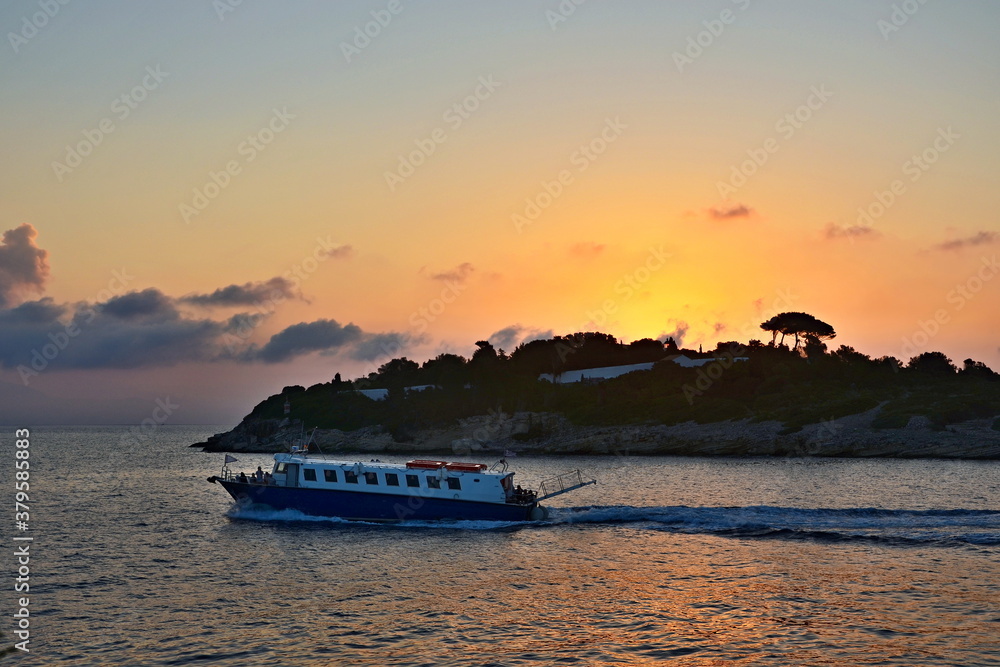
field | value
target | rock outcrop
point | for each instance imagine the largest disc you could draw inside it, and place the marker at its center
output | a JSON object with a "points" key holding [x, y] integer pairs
{"points": [[546, 433]]}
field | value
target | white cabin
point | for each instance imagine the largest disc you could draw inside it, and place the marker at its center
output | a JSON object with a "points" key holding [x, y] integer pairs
{"points": [[429, 479]]}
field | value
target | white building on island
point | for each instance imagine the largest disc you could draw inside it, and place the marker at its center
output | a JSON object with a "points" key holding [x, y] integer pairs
{"points": [[608, 372]]}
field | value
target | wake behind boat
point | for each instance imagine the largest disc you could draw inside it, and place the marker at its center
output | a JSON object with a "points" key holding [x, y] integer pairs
{"points": [[422, 490]]}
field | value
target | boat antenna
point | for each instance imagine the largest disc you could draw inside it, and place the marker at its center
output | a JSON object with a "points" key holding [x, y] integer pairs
{"points": [[315, 443]]}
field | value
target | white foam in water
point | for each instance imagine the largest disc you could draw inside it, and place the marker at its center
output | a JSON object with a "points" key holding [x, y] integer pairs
{"points": [[922, 526], [237, 512], [291, 516], [981, 527]]}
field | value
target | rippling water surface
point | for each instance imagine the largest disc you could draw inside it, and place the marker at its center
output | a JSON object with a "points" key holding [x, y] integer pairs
{"points": [[137, 560]]}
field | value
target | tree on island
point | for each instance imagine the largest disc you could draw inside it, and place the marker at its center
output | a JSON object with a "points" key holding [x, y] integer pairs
{"points": [[978, 369], [447, 371], [799, 325], [932, 363], [486, 364], [399, 373]]}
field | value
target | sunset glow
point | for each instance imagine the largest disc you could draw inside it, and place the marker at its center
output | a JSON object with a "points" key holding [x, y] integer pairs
{"points": [[220, 199]]}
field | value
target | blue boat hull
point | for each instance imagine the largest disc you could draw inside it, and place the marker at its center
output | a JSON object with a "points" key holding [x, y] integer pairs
{"points": [[372, 506]]}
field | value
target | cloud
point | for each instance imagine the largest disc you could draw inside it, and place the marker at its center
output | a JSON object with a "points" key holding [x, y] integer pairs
{"points": [[24, 267], [730, 212], [340, 252], [981, 238], [678, 334], [108, 342], [42, 311], [135, 330], [586, 250], [149, 304], [833, 231], [242, 324], [306, 337], [330, 337], [510, 337], [26, 327], [459, 274], [383, 345], [145, 329], [248, 294]]}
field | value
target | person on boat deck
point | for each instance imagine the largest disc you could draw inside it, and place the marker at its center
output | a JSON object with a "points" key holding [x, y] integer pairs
{"points": [[259, 474], [267, 478], [243, 477]]}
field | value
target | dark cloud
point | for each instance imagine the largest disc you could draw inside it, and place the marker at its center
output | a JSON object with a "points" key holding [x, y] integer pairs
{"points": [[26, 327], [306, 337], [41, 312], [24, 267], [134, 330], [383, 345], [243, 323], [109, 342], [274, 290], [459, 274], [981, 238], [833, 231], [510, 337], [145, 329], [149, 304], [730, 212]]}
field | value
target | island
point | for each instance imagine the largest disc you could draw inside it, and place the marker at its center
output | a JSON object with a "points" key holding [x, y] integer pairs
{"points": [[590, 394]]}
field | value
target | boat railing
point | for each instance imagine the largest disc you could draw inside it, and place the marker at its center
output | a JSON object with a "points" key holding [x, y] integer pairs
{"points": [[563, 483], [228, 475]]}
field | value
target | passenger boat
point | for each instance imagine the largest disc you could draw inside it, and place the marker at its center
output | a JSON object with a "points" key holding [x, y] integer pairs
{"points": [[375, 491]]}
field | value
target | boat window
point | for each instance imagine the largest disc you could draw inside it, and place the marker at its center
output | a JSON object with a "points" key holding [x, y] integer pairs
{"points": [[433, 483], [280, 468], [371, 478], [330, 475], [454, 483], [412, 480], [350, 477], [309, 474], [391, 479]]}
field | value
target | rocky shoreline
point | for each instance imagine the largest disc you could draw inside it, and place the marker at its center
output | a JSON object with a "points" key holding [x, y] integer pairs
{"points": [[546, 433]]}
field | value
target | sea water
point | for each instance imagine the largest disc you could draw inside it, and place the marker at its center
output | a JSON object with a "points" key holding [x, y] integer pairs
{"points": [[137, 560]]}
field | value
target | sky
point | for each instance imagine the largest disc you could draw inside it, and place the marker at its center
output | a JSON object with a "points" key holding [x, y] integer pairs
{"points": [[203, 201]]}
